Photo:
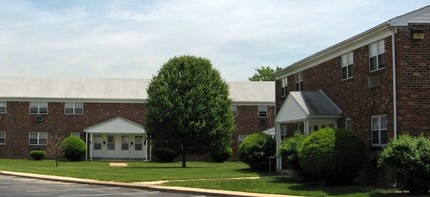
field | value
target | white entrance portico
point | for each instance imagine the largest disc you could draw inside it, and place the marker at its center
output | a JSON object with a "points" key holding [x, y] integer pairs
{"points": [[312, 110], [117, 138]]}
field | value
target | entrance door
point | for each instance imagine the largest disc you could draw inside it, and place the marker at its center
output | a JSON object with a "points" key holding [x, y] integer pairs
{"points": [[125, 147], [97, 145], [111, 151], [139, 147]]}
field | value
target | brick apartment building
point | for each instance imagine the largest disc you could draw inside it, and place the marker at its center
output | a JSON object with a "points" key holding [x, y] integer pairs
{"points": [[108, 114], [376, 84]]}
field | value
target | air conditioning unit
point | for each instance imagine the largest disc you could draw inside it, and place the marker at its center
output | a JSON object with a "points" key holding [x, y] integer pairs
{"points": [[374, 81], [38, 118]]}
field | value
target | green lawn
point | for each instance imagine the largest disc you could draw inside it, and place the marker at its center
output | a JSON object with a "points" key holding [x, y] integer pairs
{"points": [[151, 171], [134, 172], [274, 185]]}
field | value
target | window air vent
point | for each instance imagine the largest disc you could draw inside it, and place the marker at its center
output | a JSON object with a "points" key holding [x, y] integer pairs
{"points": [[374, 81], [38, 118]]}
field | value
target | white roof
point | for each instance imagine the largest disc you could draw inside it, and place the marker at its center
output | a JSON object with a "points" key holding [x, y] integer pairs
{"points": [[114, 90], [116, 125]]}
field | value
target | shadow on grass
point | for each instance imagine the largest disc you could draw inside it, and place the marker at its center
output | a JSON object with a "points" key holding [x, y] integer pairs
{"points": [[250, 171], [298, 185], [164, 167]]}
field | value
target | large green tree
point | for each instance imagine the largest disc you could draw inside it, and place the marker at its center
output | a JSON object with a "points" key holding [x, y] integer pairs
{"points": [[264, 73], [188, 108]]}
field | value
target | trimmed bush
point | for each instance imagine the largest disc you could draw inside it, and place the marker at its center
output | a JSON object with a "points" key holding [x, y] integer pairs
{"points": [[289, 150], [73, 148], [221, 155], [334, 155], [256, 149], [410, 156], [37, 154], [164, 153]]}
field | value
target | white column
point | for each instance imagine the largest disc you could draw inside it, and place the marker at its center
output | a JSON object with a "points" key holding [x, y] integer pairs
{"points": [[306, 126]]}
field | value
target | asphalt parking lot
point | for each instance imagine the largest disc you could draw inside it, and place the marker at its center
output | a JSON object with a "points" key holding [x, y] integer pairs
{"points": [[23, 187]]}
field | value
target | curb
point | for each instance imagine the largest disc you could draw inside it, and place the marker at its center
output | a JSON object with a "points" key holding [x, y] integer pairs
{"points": [[199, 191]]}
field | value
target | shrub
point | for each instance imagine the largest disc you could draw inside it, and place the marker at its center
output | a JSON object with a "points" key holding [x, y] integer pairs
{"points": [[221, 155], [164, 153], [410, 156], [289, 150], [73, 148], [334, 155], [256, 149], [38, 154]]}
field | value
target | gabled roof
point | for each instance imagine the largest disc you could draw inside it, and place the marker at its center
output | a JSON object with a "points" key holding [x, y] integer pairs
{"points": [[114, 90], [307, 104], [116, 125], [372, 35]]}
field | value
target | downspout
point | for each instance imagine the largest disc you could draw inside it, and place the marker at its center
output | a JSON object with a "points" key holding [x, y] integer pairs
{"points": [[393, 40]]}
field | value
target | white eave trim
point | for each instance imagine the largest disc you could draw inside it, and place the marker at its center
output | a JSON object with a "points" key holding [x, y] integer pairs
{"points": [[84, 100]]}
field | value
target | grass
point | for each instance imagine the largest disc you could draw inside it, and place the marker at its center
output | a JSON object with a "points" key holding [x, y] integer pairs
{"points": [[134, 172], [218, 172], [276, 185]]}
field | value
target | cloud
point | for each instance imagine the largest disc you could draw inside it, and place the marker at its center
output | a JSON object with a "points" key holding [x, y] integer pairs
{"points": [[134, 38]]}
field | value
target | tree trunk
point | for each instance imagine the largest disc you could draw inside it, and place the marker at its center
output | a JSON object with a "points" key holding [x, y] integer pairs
{"points": [[184, 160]]}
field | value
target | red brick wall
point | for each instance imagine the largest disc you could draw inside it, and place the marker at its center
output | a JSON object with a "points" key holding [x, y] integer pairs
{"points": [[247, 122], [353, 96], [18, 123], [413, 81]]}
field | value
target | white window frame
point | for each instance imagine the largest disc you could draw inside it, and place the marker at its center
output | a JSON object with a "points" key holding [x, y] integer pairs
{"points": [[3, 107], [39, 137], [74, 107], [240, 139], [284, 132], [378, 123], [284, 86], [262, 111], [377, 51], [298, 77], [3, 136], [75, 134], [39, 106], [347, 63], [348, 124], [234, 110]]}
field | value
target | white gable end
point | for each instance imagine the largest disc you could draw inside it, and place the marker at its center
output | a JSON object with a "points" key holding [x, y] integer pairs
{"points": [[116, 125], [291, 111]]}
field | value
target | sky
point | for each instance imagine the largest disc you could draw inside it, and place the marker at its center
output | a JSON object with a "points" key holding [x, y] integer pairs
{"points": [[134, 38]]}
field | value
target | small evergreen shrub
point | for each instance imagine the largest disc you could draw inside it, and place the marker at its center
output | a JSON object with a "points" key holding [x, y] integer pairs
{"points": [[256, 149], [410, 156], [334, 155], [164, 153], [289, 150], [221, 155], [37, 154], [73, 148]]}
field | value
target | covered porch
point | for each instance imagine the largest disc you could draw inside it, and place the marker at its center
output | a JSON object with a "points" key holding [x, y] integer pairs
{"points": [[117, 139], [305, 111]]}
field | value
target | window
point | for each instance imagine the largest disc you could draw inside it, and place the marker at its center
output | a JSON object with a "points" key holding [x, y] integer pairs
{"points": [[73, 108], [262, 111], [234, 109], [299, 81], [284, 132], [38, 138], [347, 65], [284, 86], [377, 55], [2, 137], [348, 124], [241, 138], [38, 107], [75, 134], [379, 130], [2, 107]]}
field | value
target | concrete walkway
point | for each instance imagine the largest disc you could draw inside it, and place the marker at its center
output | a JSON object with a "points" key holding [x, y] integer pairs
{"points": [[144, 185]]}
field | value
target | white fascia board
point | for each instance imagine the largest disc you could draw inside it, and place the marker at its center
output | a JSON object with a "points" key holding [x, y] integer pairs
{"points": [[87, 100], [377, 33], [247, 103]]}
